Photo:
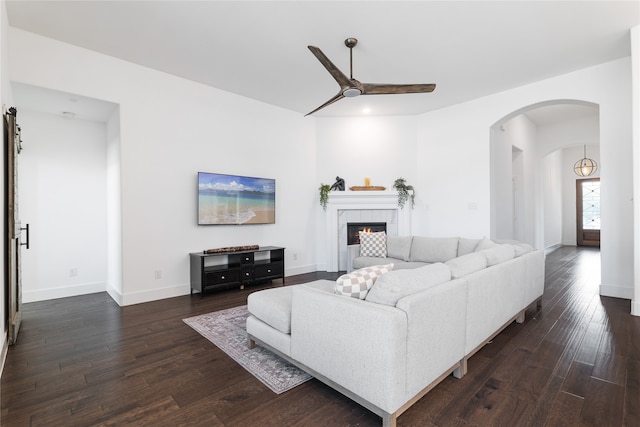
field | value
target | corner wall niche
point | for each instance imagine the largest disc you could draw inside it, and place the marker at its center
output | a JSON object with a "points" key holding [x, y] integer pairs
{"points": [[360, 206]]}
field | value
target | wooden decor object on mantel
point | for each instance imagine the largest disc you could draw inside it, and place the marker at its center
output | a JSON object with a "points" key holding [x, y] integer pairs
{"points": [[367, 188]]}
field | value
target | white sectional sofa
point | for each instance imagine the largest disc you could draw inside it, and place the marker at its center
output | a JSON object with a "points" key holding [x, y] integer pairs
{"points": [[413, 328]]}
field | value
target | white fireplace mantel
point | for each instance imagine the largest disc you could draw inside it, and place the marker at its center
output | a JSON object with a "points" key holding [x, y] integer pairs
{"points": [[360, 200]]}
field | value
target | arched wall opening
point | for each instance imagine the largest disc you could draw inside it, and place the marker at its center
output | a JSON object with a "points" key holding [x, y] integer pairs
{"points": [[529, 150], [533, 186]]}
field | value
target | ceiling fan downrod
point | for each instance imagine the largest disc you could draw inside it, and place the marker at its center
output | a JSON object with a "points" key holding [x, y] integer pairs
{"points": [[350, 43]]}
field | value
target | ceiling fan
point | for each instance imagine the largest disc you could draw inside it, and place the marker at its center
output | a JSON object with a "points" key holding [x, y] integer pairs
{"points": [[350, 87]]}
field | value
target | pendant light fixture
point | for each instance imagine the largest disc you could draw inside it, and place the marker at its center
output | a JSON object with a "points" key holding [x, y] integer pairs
{"points": [[585, 166]]}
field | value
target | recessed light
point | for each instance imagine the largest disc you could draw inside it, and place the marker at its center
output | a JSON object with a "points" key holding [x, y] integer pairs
{"points": [[366, 110], [68, 115]]}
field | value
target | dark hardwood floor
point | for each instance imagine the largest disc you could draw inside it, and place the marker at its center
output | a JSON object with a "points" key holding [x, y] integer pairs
{"points": [[84, 361]]}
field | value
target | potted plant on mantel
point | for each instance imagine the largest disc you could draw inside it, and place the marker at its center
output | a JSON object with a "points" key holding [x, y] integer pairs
{"points": [[405, 192], [324, 195]]}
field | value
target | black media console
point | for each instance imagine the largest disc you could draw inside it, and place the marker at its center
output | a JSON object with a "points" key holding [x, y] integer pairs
{"points": [[223, 270]]}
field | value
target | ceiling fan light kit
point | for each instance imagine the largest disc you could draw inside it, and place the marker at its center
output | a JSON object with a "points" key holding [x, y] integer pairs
{"points": [[350, 87]]}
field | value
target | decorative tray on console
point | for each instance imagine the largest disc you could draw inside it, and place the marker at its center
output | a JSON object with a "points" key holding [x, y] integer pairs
{"points": [[231, 249], [367, 188]]}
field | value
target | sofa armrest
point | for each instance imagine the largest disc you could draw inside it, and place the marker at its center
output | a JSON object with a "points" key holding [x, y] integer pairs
{"points": [[359, 345], [436, 331]]}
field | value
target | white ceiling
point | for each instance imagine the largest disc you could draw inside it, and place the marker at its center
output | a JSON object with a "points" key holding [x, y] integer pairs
{"points": [[259, 49]]}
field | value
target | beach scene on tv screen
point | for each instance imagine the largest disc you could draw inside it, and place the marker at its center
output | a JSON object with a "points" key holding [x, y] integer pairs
{"points": [[228, 199]]}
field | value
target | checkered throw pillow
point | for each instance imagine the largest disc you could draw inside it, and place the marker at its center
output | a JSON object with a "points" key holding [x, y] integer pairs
{"points": [[357, 283], [373, 244]]}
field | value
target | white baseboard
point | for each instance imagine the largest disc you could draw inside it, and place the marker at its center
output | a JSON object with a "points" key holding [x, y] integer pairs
{"points": [[115, 295], [300, 270], [635, 308], [3, 353], [616, 291], [150, 295], [552, 248], [67, 291], [179, 290]]}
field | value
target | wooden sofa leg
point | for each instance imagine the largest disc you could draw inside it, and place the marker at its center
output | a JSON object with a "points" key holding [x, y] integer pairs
{"points": [[251, 343], [520, 318], [461, 370]]}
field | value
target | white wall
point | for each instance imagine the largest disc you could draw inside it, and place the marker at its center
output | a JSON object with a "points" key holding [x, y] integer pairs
{"points": [[453, 180], [570, 133], [62, 178], [381, 148], [513, 180], [635, 110], [552, 199], [458, 139], [114, 207], [170, 129], [502, 204], [6, 100], [355, 148]]}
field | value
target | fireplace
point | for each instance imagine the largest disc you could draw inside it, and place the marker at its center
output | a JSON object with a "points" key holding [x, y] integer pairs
{"points": [[354, 228], [360, 206]]}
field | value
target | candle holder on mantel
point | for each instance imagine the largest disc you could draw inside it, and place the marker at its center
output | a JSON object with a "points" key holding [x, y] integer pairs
{"points": [[367, 186]]}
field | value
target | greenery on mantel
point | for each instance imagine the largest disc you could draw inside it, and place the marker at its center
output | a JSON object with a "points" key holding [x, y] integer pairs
{"points": [[324, 195], [405, 192]]}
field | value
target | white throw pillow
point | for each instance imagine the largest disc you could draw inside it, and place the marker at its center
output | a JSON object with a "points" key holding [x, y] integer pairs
{"points": [[373, 244], [357, 283], [485, 243], [467, 246], [498, 254], [467, 264]]}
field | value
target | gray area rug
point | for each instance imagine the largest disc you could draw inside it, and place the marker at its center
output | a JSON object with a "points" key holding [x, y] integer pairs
{"points": [[227, 330]]}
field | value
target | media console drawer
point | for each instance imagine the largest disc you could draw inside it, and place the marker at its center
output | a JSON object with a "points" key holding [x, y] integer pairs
{"points": [[223, 270], [220, 277], [269, 270]]}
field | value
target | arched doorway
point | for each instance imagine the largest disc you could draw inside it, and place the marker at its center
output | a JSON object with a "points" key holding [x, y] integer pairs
{"points": [[530, 149]]}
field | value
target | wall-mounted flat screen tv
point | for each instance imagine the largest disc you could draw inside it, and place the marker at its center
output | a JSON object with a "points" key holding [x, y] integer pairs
{"points": [[232, 199]]}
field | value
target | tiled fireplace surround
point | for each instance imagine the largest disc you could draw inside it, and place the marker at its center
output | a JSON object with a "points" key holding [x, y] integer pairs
{"points": [[361, 206]]}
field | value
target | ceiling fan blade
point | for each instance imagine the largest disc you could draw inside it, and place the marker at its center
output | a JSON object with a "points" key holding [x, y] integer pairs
{"points": [[338, 75], [338, 97], [387, 89]]}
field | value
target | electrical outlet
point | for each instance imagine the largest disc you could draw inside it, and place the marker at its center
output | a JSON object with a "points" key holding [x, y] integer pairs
{"points": [[73, 272], [295, 256], [158, 274]]}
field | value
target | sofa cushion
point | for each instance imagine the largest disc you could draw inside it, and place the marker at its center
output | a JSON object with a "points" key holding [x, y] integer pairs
{"points": [[399, 247], [485, 243], [273, 307], [522, 248], [357, 283], [365, 261], [434, 249], [467, 264], [498, 254], [393, 286], [467, 246], [373, 244]]}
